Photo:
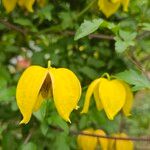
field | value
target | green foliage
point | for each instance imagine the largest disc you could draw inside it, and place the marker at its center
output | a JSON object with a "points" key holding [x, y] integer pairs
{"points": [[56, 32], [134, 78], [88, 27]]}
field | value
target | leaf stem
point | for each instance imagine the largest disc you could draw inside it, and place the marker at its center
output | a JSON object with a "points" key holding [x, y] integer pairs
{"points": [[86, 8], [49, 64], [107, 75]]}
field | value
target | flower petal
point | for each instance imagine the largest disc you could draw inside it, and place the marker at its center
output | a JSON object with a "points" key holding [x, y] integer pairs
{"points": [[124, 145], [28, 90], [29, 4], [103, 141], [112, 94], [86, 142], [66, 91], [9, 5], [125, 4], [88, 95], [21, 3], [129, 100], [107, 7], [38, 102], [97, 98]]}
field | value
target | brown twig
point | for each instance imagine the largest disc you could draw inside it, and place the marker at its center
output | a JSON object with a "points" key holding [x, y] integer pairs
{"points": [[28, 137], [91, 36], [13, 27], [105, 137]]}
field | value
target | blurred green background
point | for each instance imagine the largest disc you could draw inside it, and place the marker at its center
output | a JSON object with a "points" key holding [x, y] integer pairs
{"points": [[48, 34]]}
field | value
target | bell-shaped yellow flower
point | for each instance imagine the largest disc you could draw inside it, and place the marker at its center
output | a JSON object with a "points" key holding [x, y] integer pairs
{"points": [[38, 83], [86, 142], [26, 4], [109, 7], [110, 95], [120, 144], [9, 4]]}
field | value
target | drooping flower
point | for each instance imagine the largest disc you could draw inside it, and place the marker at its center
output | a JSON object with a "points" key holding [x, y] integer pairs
{"points": [[109, 7], [86, 142], [110, 95], [27, 4], [38, 83], [120, 144], [9, 5]]}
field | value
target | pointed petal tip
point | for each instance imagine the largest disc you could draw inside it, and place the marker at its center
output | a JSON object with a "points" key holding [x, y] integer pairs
{"points": [[23, 121], [68, 120], [77, 107], [83, 112]]}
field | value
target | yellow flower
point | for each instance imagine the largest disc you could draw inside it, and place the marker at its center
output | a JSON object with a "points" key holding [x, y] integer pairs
{"points": [[110, 95], [38, 83], [86, 142], [109, 7], [28, 4], [9, 4], [120, 144]]}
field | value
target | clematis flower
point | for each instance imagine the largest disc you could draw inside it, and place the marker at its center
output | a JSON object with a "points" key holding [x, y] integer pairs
{"points": [[27, 4], [109, 7], [110, 95], [37, 84], [120, 144], [9, 5], [86, 142]]}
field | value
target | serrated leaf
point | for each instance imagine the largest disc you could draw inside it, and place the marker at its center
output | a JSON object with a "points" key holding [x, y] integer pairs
{"points": [[124, 40], [88, 27], [139, 81]]}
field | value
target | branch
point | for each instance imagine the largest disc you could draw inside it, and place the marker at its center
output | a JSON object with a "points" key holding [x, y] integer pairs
{"points": [[13, 27], [147, 139]]}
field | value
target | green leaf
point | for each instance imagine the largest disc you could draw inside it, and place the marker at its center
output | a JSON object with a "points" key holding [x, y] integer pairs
{"points": [[124, 40], [29, 146], [89, 72], [23, 21], [40, 114], [61, 142], [44, 128], [57, 121], [45, 13], [87, 27], [139, 81], [146, 26]]}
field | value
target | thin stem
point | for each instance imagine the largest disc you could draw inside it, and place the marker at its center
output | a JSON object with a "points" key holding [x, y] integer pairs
{"points": [[49, 64], [72, 132], [107, 75], [86, 8]]}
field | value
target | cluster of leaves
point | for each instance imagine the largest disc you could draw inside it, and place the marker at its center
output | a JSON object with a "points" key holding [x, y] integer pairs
{"points": [[76, 35]]}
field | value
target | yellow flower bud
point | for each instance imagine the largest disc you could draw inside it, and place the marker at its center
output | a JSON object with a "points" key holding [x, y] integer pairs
{"points": [[121, 144], [86, 142]]}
